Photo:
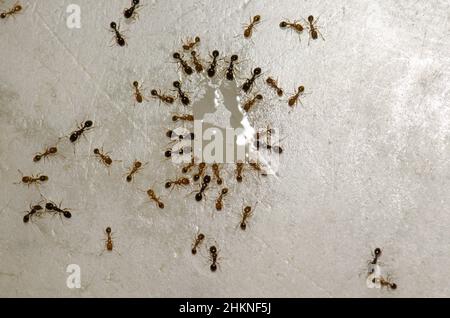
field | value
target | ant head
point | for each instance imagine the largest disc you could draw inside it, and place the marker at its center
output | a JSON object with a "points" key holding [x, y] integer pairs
{"points": [[185, 181], [161, 205], [43, 178], [168, 184], [53, 150], [213, 249], [239, 178], [67, 214], [283, 24], [96, 151], [168, 154], [137, 164], [247, 209], [49, 206], [301, 89], [215, 53], [257, 71], [88, 123], [207, 179], [108, 160], [310, 19], [37, 207], [280, 92], [234, 57], [176, 84], [224, 190], [197, 39], [314, 34], [257, 18], [108, 230], [18, 7], [113, 25], [26, 179], [201, 236], [176, 55], [135, 2], [259, 97], [37, 158], [393, 286]]}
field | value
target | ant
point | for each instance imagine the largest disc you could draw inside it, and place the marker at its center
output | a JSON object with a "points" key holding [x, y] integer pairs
{"points": [[189, 45], [219, 201], [77, 133], [196, 61], [183, 117], [171, 134], [109, 241], [137, 165], [151, 194], [250, 27], [268, 145], [28, 180], [249, 82], [205, 183], [377, 254], [103, 157], [273, 83], [14, 10], [256, 166], [213, 65], [34, 210], [246, 214], [184, 98], [49, 206], [239, 168], [385, 282], [179, 182], [169, 153], [162, 97], [137, 92], [313, 29], [47, 152], [230, 69], [130, 12], [294, 99], [296, 26], [120, 40], [198, 240], [189, 166], [201, 171], [187, 69], [251, 102], [213, 258], [216, 171]]}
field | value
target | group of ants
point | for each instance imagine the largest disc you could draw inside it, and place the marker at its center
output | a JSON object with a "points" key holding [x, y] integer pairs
{"points": [[131, 13]]}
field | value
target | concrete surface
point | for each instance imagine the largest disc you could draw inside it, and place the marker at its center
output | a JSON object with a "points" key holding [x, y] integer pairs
{"points": [[366, 159]]}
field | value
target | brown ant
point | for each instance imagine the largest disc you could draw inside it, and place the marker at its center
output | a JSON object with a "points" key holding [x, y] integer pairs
{"points": [[198, 65], [213, 257], [257, 167], [189, 45], [246, 214], [296, 26], [151, 194], [294, 99], [230, 69], [28, 180], [273, 83], [132, 11], [213, 65], [183, 117], [35, 210], [120, 40], [14, 10], [251, 102], [179, 182], [219, 201], [103, 157], [385, 282], [205, 183], [109, 241], [314, 29], [216, 171], [198, 240], [189, 166], [201, 171], [77, 133], [239, 169], [250, 27], [137, 92], [50, 206], [184, 98], [162, 97], [187, 69], [137, 165], [249, 82], [47, 152]]}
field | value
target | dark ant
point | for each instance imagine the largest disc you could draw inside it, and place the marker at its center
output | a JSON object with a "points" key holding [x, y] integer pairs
{"points": [[162, 97], [137, 165], [179, 182], [171, 134], [239, 169], [187, 69], [28, 180], [385, 282], [189, 45], [296, 26], [313, 29], [137, 93], [249, 82], [130, 12], [219, 201], [183, 117], [120, 40], [250, 27], [14, 10], [198, 240], [49, 206], [198, 65], [109, 241], [77, 133], [246, 214], [216, 171], [34, 210], [251, 102], [293, 100], [268, 144], [189, 166], [273, 83], [230, 69], [201, 171], [184, 98], [170, 152], [213, 258], [151, 194], [205, 183], [103, 157], [377, 254], [47, 152], [213, 65]]}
